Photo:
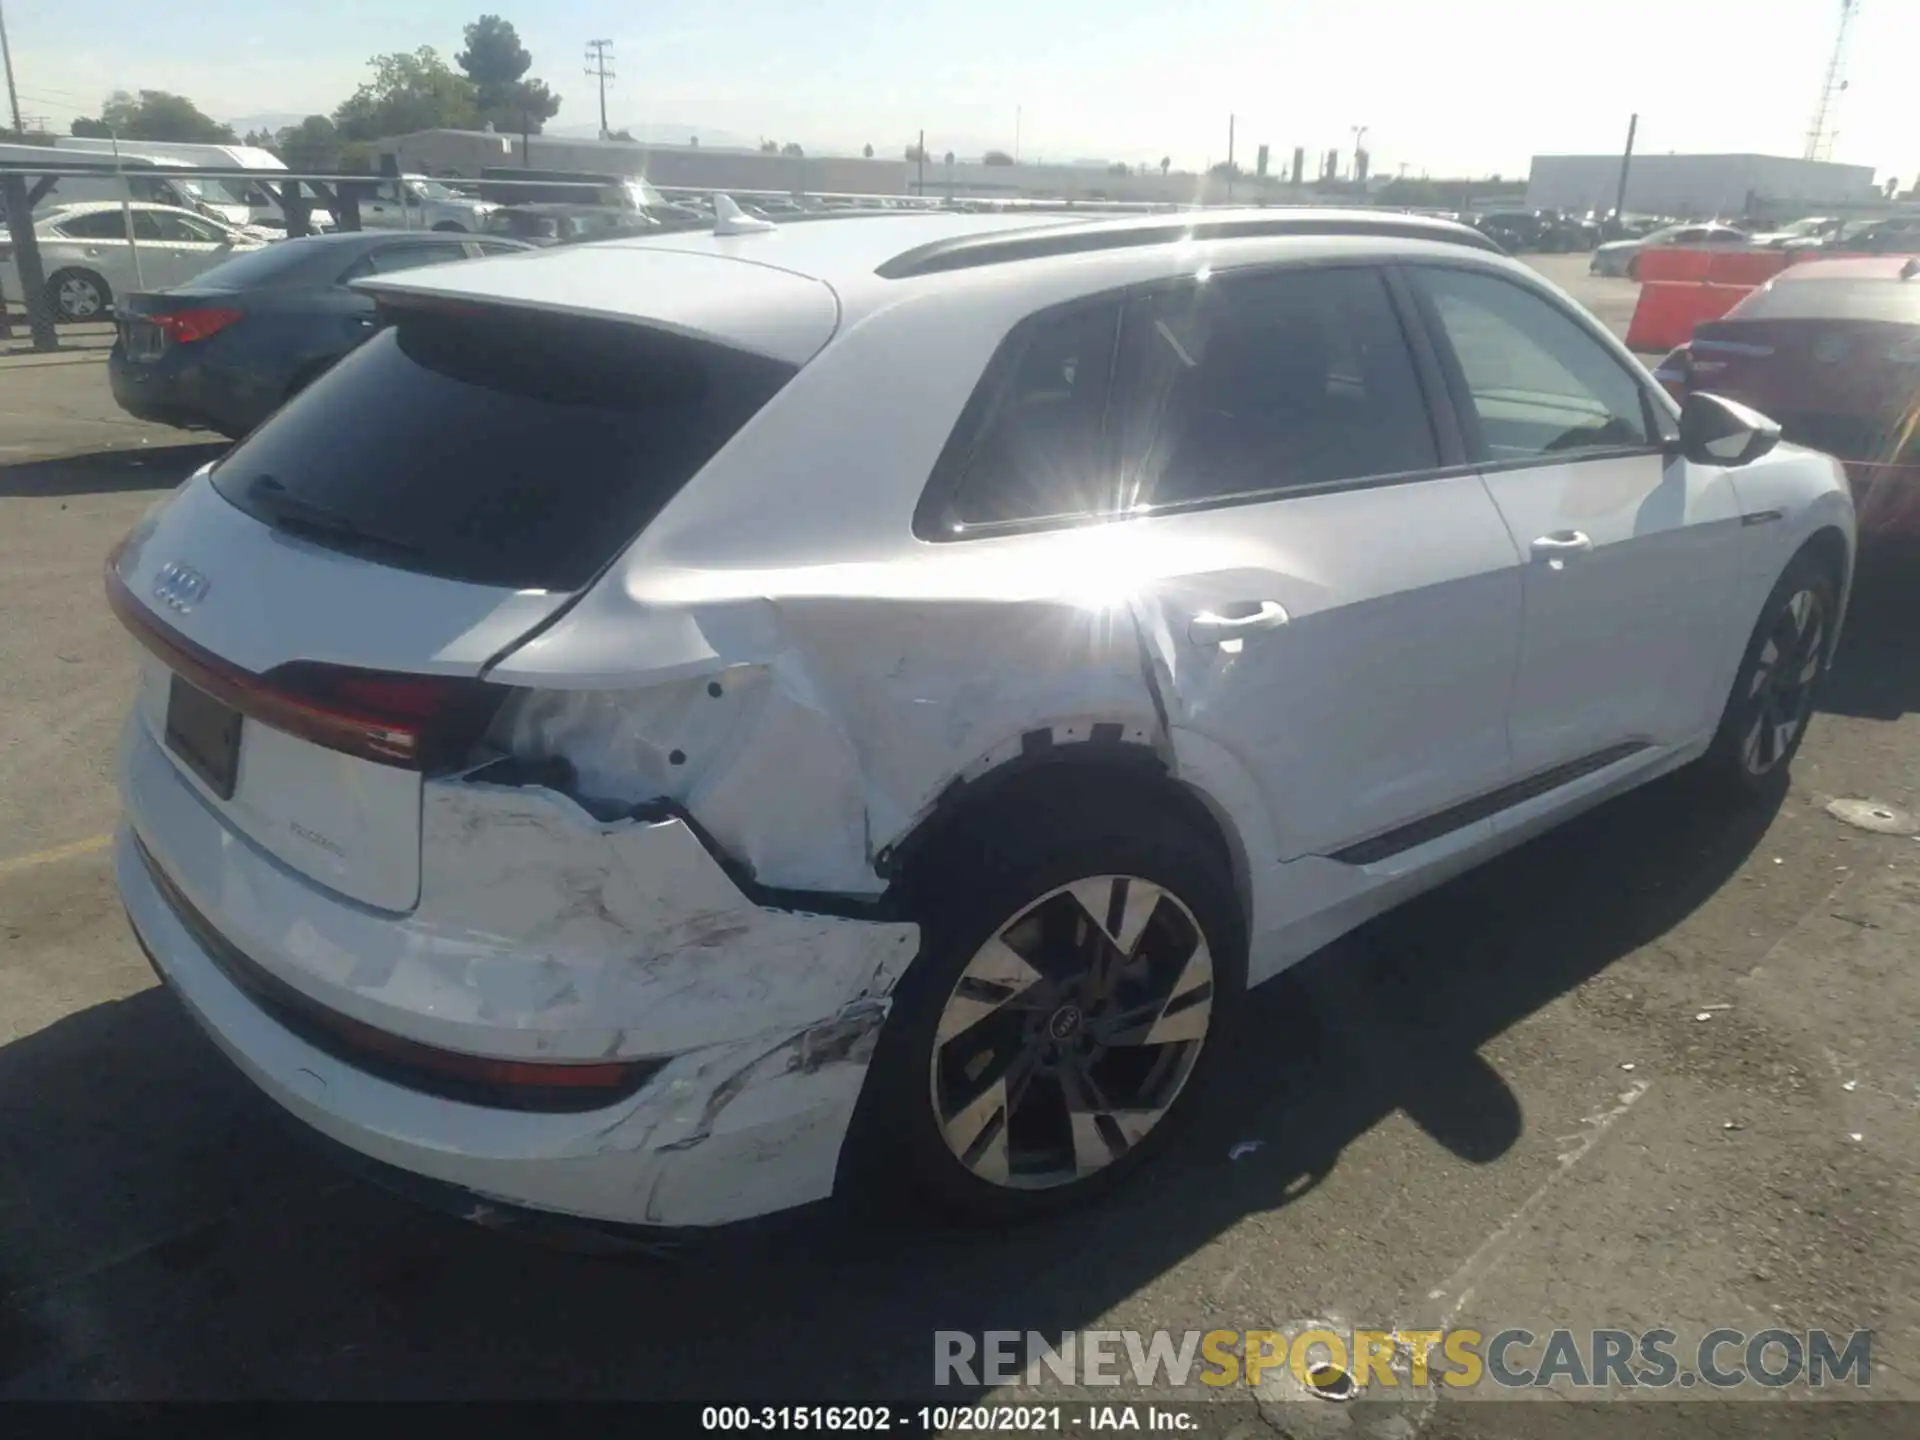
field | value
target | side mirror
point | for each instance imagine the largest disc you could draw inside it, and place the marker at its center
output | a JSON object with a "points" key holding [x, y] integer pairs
{"points": [[1717, 431]]}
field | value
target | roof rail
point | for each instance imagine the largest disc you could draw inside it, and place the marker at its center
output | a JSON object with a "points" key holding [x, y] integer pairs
{"points": [[965, 252]]}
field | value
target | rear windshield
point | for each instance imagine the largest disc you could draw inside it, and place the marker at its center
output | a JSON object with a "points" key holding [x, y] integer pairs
{"points": [[268, 265], [495, 447], [1897, 301]]}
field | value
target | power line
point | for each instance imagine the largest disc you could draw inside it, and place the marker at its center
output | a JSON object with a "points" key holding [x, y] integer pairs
{"points": [[599, 54]]}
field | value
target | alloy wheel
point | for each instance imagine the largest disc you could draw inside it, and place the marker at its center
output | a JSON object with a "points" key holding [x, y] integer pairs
{"points": [[1071, 1032], [78, 298], [1779, 695]]}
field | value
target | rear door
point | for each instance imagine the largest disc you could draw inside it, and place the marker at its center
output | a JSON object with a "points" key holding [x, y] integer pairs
{"points": [[1630, 551], [1335, 612]]}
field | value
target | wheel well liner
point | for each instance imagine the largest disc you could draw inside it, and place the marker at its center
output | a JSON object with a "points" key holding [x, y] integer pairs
{"points": [[1045, 776]]}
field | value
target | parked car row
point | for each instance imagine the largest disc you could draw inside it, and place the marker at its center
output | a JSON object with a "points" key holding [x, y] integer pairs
{"points": [[226, 349]]}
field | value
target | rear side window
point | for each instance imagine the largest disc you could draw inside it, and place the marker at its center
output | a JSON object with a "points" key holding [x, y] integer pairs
{"points": [[100, 225], [1538, 384], [1267, 383], [500, 448], [389, 258], [1031, 447]]}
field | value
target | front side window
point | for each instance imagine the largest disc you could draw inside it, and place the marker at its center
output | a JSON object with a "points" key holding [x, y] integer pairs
{"points": [[1537, 383], [1266, 383]]}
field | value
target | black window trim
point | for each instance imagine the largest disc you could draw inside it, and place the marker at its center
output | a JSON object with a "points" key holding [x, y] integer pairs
{"points": [[1459, 402], [933, 517]]}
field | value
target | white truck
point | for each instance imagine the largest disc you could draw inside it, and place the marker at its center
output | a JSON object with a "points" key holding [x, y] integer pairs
{"points": [[239, 201], [418, 202]]}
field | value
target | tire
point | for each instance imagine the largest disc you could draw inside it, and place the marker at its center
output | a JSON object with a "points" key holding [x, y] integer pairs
{"points": [[1773, 693], [1079, 1099], [76, 294]]}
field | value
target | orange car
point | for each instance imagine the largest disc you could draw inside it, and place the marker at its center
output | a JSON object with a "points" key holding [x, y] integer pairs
{"points": [[1831, 350]]}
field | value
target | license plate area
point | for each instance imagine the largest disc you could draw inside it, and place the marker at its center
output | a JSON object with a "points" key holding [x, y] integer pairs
{"points": [[144, 340], [205, 735]]}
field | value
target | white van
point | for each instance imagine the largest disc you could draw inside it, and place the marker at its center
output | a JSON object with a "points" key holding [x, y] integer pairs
{"points": [[238, 202]]}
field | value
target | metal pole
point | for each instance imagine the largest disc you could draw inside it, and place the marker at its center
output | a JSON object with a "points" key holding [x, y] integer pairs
{"points": [[126, 213], [1016, 134], [26, 260], [920, 185], [6, 55], [1626, 163]]}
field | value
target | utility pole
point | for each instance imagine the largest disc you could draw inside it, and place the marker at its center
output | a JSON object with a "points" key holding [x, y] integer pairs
{"points": [[6, 55], [1016, 134], [1359, 134], [1626, 163], [599, 54]]}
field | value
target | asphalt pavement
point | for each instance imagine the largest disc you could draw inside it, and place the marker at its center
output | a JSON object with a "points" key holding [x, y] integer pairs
{"points": [[1500, 1106]]}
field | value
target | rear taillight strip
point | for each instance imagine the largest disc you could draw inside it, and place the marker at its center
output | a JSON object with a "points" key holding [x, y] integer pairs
{"points": [[366, 737]]}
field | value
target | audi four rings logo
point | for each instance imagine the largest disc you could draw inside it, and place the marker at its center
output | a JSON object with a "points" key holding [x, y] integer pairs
{"points": [[178, 587]]}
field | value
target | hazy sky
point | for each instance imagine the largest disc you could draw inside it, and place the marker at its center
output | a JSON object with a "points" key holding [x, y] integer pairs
{"points": [[1475, 86]]}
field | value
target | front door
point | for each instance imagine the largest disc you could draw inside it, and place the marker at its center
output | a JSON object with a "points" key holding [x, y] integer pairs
{"points": [[1630, 552]]}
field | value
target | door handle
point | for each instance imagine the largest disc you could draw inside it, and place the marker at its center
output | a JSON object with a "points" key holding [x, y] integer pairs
{"points": [[1207, 628], [1560, 544]]}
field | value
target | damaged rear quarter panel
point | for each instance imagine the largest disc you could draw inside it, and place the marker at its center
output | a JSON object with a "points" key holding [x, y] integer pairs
{"points": [[838, 720], [591, 938]]}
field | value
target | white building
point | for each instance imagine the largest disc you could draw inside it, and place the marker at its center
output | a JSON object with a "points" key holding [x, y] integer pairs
{"points": [[1694, 186]]}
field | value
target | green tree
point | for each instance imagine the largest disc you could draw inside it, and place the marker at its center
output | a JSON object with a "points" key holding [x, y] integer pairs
{"points": [[496, 61], [261, 139], [408, 92], [790, 148], [1166, 163], [313, 145], [769, 147], [154, 115], [996, 157]]}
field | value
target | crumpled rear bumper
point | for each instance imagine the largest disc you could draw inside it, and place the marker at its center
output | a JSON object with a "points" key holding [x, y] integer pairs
{"points": [[764, 1020]]}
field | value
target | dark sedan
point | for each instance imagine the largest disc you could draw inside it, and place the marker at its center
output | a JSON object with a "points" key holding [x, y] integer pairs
{"points": [[1831, 350], [225, 350]]}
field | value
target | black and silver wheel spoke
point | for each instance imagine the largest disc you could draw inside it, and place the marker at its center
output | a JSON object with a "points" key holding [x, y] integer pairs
{"points": [[1780, 692], [1071, 1032]]}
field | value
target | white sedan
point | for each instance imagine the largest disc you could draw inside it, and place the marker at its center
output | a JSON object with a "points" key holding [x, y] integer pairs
{"points": [[89, 259], [671, 726]]}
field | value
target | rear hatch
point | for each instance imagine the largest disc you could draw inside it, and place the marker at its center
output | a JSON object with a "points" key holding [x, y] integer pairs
{"points": [[320, 608]]}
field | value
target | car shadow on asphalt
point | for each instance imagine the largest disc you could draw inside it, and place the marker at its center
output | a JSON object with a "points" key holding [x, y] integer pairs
{"points": [[105, 472], [162, 1234], [1876, 671]]}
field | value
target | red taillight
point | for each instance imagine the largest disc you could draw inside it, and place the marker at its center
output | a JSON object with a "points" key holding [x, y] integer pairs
{"points": [[184, 327], [416, 722]]}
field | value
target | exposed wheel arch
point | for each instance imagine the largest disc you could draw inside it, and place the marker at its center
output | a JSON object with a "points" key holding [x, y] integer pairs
{"points": [[453, 226], [1101, 773]]}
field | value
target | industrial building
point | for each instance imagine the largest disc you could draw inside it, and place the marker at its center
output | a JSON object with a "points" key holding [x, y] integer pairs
{"points": [[713, 167], [1694, 186]]}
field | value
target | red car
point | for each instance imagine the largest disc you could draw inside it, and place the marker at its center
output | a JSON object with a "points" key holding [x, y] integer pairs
{"points": [[1831, 350]]}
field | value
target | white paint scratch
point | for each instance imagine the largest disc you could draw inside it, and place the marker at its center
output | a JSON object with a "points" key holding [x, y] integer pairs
{"points": [[1478, 1265]]}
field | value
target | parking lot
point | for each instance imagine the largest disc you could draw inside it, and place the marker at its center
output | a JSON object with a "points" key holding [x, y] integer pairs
{"points": [[1661, 1068]]}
